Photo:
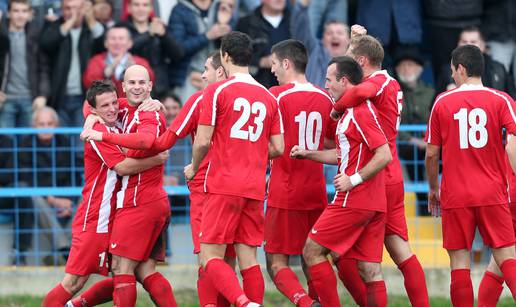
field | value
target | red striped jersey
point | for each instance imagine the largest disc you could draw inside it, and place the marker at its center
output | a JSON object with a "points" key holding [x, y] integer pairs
{"points": [[96, 212], [147, 186], [467, 123], [244, 115], [294, 183], [358, 135]]}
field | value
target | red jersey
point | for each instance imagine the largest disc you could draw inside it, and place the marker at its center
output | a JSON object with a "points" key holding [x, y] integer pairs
{"points": [[245, 114], [96, 212], [386, 95], [467, 124], [300, 184], [358, 135], [146, 186], [511, 178]]}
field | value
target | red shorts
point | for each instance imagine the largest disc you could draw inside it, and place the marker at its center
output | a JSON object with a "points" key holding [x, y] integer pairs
{"points": [[494, 224], [228, 219], [197, 200], [139, 233], [286, 230], [89, 254], [355, 233], [512, 206], [396, 223]]}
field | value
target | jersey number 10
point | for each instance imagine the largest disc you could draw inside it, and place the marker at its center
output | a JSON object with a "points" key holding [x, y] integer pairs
{"points": [[472, 127], [309, 129]]}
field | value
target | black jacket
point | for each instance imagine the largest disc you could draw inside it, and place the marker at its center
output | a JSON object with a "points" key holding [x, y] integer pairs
{"points": [[58, 48], [263, 37], [499, 22], [37, 63], [159, 51], [453, 13]]}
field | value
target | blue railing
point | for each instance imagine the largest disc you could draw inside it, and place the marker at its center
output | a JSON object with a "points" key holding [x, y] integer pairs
{"points": [[31, 170]]}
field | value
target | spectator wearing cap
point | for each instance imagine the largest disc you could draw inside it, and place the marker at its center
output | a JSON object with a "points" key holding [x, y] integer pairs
{"points": [[494, 74], [417, 102]]}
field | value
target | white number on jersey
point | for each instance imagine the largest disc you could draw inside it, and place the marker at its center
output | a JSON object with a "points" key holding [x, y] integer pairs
{"points": [[309, 130], [251, 133], [472, 128], [103, 261], [399, 99]]}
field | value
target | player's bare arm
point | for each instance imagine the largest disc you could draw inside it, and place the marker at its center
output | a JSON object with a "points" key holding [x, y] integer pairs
{"points": [[276, 146], [130, 166], [510, 148], [432, 171], [321, 156], [382, 157], [199, 149]]}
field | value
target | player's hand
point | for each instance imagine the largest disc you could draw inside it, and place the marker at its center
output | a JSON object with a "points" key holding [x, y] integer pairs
{"points": [[434, 203], [62, 205], [3, 98], [157, 27], [189, 172], [225, 11], [151, 105], [91, 135], [39, 102], [163, 156], [335, 115], [297, 153], [358, 30], [342, 183], [418, 142]]}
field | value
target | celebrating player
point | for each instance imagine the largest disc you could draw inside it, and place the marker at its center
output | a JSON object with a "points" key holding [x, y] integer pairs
{"points": [[466, 125], [240, 121], [354, 223], [93, 222], [297, 189], [385, 93]]}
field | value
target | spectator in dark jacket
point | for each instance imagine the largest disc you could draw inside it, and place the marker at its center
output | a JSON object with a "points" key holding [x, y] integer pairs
{"points": [[494, 75], [24, 74], [70, 42], [152, 41], [267, 25]]}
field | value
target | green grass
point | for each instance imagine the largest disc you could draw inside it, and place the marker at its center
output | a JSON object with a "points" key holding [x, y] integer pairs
{"points": [[188, 298]]}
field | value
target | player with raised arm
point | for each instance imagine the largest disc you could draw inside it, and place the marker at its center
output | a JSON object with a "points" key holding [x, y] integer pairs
{"points": [[385, 93], [466, 126], [240, 121], [297, 188], [92, 225], [354, 223]]}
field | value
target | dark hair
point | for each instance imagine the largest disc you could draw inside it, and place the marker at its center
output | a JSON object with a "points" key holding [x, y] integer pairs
{"points": [[238, 46], [170, 94], [471, 58], [474, 29], [215, 59], [349, 68], [117, 26], [369, 47], [26, 2], [99, 87], [294, 51]]}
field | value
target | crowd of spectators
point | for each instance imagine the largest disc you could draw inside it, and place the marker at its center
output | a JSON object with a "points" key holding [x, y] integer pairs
{"points": [[52, 50]]}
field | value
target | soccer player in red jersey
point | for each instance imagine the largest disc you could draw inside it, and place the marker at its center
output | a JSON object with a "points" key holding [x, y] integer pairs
{"points": [[466, 125], [297, 188], [183, 125], [93, 222], [385, 93], [240, 121], [143, 211], [354, 223]]}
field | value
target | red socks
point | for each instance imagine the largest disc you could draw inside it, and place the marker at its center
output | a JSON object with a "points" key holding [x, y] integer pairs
{"points": [[325, 283], [311, 290], [287, 283], [415, 283], [57, 297], [99, 293], [461, 289], [160, 290], [254, 286], [508, 269], [376, 294], [124, 294], [226, 282], [489, 290], [348, 274], [205, 290]]}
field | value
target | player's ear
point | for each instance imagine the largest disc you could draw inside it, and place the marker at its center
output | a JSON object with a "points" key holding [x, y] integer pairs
{"points": [[92, 109]]}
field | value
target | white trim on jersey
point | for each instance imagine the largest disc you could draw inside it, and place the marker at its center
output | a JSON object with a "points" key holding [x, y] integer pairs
{"points": [[370, 107], [136, 188], [386, 75], [188, 115], [120, 196], [356, 171], [91, 194], [159, 124], [135, 120], [105, 205], [206, 178], [304, 87], [360, 130]]}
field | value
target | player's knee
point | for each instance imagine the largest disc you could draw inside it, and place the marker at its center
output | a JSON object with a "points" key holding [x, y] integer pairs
{"points": [[312, 252], [73, 283], [273, 267], [398, 249], [370, 271]]}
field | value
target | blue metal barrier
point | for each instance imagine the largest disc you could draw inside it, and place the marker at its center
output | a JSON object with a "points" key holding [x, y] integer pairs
{"points": [[19, 158]]}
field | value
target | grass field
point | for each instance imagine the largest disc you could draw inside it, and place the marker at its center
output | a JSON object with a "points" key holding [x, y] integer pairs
{"points": [[188, 298]]}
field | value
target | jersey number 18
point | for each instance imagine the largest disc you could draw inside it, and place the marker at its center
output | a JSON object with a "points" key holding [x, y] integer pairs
{"points": [[472, 127]]}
